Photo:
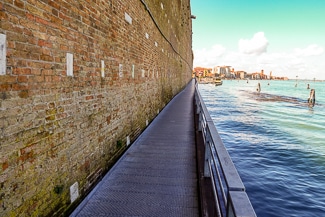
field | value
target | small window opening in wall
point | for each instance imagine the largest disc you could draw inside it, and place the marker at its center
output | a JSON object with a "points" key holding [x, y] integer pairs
{"points": [[143, 73], [3, 54], [69, 64]]}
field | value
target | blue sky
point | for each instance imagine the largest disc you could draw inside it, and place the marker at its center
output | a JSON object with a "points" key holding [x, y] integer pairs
{"points": [[286, 37]]}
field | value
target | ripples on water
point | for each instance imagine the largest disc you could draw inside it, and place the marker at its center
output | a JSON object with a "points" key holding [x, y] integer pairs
{"points": [[276, 141]]}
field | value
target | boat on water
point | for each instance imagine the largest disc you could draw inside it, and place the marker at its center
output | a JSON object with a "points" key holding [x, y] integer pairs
{"points": [[210, 80], [218, 81]]}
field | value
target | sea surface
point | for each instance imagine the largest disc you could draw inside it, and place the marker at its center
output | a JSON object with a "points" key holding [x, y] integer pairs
{"points": [[276, 141]]}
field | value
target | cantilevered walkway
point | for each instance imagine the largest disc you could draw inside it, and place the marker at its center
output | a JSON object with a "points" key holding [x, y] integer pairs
{"points": [[157, 175]]}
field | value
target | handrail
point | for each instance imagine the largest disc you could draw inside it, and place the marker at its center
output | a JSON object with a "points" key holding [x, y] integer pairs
{"points": [[229, 190]]}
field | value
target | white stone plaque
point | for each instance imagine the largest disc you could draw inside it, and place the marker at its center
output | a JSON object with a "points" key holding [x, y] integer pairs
{"points": [[3, 54], [132, 71], [74, 192], [128, 18], [128, 142], [102, 68], [69, 64], [120, 70]]}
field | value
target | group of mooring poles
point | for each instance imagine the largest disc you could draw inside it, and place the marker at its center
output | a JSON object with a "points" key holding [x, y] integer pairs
{"points": [[311, 100]]}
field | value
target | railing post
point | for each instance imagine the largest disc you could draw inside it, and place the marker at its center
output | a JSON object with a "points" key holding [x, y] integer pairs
{"points": [[207, 158], [200, 121], [198, 108], [208, 154]]}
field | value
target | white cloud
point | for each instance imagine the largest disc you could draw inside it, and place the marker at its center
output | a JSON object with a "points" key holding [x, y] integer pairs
{"points": [[256, 45], [208, 57], [311, 50], [218, 50]]}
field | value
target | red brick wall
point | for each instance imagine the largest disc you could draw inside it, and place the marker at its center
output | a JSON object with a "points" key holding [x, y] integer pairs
{"points": [[57, 130]]}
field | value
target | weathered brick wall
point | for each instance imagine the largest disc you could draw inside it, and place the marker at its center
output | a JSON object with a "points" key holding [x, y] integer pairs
{"points": [[60, 125]]}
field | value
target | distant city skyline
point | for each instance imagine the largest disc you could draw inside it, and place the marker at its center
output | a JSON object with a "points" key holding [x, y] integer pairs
{"points": [[283, 36]]}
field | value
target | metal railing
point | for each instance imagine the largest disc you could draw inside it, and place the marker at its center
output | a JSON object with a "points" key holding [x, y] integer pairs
{"points": [[229, 190]]}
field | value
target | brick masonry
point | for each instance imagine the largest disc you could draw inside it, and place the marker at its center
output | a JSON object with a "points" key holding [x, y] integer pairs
{"points": [[80, 81]]}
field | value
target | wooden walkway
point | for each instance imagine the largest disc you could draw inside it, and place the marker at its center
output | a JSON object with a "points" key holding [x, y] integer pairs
{"points": [[157, 175]]}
